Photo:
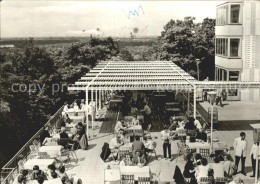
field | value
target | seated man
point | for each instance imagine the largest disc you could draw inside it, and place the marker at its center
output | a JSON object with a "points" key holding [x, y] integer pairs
{"points": [[126, 161], [114, 144], [63, 134], [134, 121], [201, 135], [81, 131], [21, 178], [197, 124], [76, 107], [139, 158], [218, 169], [119, 125], [62, 174], [148, 144], [202, 170], [138, 145], [121, 134], [37, 172]]}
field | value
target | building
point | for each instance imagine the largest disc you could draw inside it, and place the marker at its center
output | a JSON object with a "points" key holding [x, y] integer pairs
{"points": [[237, 50]]}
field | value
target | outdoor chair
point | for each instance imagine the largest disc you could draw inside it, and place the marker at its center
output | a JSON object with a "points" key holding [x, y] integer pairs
{"points": [[144, 180], [127, 179], [122, 153], [221, 180], [206, 153], [67, 150], [205, 180]]}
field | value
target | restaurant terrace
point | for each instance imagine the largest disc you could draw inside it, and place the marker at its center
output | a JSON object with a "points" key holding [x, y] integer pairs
{"points": [[113, 89]]}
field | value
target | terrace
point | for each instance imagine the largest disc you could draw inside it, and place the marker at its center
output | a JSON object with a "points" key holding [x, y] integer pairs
{"points": [[139, 78]]}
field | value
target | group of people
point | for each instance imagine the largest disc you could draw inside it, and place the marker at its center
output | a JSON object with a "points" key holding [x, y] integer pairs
{"points": [[198, 167], [140, 149], [74, 107], [38, 176]]}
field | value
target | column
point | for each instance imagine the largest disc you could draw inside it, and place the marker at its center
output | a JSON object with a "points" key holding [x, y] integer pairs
{"points": [[96, 101], [92, 110], [99, 107], [102, 99], [194, 102], [188, 105], [87, 110]]}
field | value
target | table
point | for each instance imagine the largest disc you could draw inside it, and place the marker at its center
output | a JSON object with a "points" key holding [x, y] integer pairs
{"points": [[42, 163], [53, 151], [112, 176], [136, 171], [171, 103], [126, 146], [77, 119], [135, 127]]}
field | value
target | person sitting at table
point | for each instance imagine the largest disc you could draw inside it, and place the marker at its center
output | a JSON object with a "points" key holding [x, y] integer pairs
{"points": [[190, 124], [229, 167], [139, 158], [119, 126], [202, 170], [82, 105], [218, 168], [122, 137], [134, 121], [40, 180], [65, 108], [189, 171], [78, 138], [63, 134], [35, 145], [71, 109], [37, 172], [125, 161], [44, 134], [21, 178], [197, 124], [51, 174], [62, 124], [114, 144], [197, 158], [202, 135], [138, 145], [62, 174], [148, 144], [67, 119], [76, 107]]}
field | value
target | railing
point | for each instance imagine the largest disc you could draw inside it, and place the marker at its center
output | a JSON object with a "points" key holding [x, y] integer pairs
{"points": [[10, 169]]}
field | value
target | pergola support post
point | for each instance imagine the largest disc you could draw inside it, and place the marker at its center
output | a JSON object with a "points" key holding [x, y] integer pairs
{"points": [[188, 105], [87, 105], [92, 110], [99, 105], [194, 102], [96, 102]]}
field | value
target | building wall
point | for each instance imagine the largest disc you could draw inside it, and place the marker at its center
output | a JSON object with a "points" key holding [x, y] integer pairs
{"points": [[250, 48]]}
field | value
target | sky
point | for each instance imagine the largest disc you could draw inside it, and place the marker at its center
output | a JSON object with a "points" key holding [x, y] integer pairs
{"points": [[103, 18]]}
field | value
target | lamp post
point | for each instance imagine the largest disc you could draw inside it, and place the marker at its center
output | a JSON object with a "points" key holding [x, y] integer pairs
{"points": [[212, 95], [198, 71]]}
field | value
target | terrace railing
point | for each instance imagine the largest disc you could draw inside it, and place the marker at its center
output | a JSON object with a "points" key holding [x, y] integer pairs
{"points": [[11, 169]]}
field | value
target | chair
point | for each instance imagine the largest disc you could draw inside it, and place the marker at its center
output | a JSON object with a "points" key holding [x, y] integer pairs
{"points": [[43, 155], [127, 179], [67, 150], [221, 180], [144, 180], [33, 151], [204, 152], [205, 180], [122, 153]]}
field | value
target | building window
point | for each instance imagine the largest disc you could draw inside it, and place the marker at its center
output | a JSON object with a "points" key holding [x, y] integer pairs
{"points": [[221, 17], [234, 14], [221, 46], [234, 47], [233, 75]]}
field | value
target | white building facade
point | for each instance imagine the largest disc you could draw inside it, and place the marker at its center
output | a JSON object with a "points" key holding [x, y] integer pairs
{"points": [[237, 46]]}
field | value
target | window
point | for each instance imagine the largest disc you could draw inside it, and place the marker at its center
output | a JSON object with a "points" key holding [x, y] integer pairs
{"points": [[233, 75], [221, 17], [234, 14], [221, 46], [234, 47]]}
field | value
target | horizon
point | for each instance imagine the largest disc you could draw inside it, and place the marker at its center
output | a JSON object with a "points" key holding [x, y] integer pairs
{"points": [[104, 19]]}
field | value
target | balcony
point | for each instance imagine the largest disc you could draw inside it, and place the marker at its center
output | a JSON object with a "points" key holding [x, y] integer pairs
{"points": [[228, 63], [229, 30]]}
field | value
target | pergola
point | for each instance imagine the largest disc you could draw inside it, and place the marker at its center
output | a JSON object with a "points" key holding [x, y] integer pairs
{"points": [[146, 75]]}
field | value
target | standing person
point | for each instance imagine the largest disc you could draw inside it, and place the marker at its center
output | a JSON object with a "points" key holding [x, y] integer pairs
{"points": [[147, 115], [240, 146], [253, 158], [165, 136]]}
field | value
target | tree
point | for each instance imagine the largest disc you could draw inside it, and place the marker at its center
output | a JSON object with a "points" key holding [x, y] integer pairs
{"points": [[185, 41]]}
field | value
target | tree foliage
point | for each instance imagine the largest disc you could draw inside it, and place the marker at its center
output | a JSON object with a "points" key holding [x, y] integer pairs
{"points": [[184, 41]]}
